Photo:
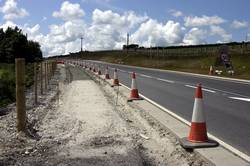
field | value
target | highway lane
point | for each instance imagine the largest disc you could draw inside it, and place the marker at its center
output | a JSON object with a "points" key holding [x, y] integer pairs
{"points": [[227, 118], [233, 87]]}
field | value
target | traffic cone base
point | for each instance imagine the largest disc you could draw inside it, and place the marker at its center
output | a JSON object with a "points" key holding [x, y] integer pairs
{"points": [[115, 83], [99, 72], [107, 76], [185, 143], [134, 95]]}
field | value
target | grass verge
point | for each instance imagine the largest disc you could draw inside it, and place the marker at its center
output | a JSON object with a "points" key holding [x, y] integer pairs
{"points": [[7, 82], [195, 64]]}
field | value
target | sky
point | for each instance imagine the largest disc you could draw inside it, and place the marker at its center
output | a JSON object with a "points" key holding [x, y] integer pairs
{"points": [[58, 25]]}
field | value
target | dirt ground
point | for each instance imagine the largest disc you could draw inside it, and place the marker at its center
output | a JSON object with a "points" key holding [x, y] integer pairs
{"points": [[78, 122]]}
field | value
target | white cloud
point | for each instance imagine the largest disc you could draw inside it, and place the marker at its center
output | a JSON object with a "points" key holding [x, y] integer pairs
{"points": [[8, 24], [126, 21], [108, 29], [217, 30], [175, 13], [67, 32], [196, 21], [153, 33], [105, 4], [239, 24], [69, 11], [195, 36], [32, 30], [11, 11]]}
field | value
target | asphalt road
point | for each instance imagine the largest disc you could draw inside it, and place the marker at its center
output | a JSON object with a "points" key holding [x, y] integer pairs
{"points": [[226, 103]]}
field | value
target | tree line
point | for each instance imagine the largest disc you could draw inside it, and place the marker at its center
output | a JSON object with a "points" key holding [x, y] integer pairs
{"points": [[14, 44]]}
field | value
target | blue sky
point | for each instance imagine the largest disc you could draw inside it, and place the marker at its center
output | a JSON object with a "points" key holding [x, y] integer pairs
{"points": [[58, 24]]}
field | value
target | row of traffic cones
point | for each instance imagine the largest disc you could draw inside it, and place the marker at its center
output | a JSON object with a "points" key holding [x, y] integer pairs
{"points": [[197, 137], [134, 95]]}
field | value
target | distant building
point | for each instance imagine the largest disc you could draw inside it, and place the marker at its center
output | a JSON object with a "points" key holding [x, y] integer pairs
{"points": [[133, 47]]}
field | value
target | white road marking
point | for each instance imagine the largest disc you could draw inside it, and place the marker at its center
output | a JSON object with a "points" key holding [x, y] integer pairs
{"points": [[222, 143], [143, 75], [169, 81], [240, 98], [226, 92], [121, 70], [207, 90]]}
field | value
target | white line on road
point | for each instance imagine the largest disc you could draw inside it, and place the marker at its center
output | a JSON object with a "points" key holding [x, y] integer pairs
{"points": [[122, 70], [169, 81], [207, 90], [143, 75], [240, 98]]}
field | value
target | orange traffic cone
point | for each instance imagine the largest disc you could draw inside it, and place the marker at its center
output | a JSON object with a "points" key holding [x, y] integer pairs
{"points": [[134, 95], [107, 73], [198, 133], [211, 70], [99, 71], [115, 80]]}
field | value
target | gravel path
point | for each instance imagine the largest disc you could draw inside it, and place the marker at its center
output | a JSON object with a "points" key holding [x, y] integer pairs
{"points": [[83, 126]]}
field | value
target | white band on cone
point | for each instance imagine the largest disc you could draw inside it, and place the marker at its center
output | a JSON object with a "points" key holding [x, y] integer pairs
{"points": [[198, 113], [133, 84], [115, 75]]}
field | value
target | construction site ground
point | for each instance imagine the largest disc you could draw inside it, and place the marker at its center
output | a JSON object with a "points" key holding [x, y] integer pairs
{"points": [[78, 123]]}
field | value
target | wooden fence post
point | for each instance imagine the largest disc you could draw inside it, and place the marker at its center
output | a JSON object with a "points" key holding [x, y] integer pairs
{"points": [[50, 69], [41, 77], [45, 74], [20, 94], [47, 69], [35, 82]]}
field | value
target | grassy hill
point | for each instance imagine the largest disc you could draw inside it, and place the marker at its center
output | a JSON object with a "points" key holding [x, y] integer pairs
{"points": [[195, 64]]}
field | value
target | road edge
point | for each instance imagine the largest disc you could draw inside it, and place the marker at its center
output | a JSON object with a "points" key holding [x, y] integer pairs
{"points": [[236, 80]]}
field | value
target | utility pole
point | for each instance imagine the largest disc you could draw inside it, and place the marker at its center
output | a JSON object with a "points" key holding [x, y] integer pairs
{"points": [[81, 43], [127, 41]]}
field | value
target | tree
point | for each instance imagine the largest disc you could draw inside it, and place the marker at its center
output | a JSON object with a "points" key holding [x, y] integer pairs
{"points": [[14, 44]]}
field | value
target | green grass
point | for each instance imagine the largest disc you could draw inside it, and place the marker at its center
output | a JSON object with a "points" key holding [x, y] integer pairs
{"points": [[7, 82], [195, 64]]}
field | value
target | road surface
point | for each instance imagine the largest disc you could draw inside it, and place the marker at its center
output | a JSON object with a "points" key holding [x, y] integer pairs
{"points": [[226, 103]]}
